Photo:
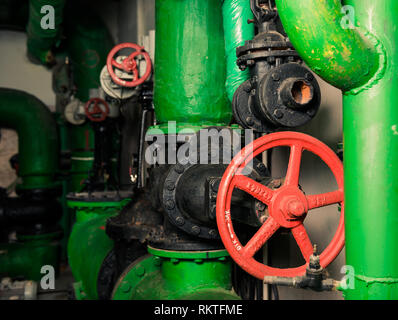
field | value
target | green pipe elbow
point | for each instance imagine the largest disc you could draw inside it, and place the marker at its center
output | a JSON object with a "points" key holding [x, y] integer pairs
{"points": [[41, 40], [344, 57], [37, 133]]}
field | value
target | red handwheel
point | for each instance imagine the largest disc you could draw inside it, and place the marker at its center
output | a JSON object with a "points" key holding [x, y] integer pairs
{"points": [[96, 109], [287, 206], [129, 65]]}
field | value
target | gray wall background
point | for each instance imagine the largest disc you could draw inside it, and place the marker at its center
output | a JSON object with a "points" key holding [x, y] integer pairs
{"points": [[128, 20]]}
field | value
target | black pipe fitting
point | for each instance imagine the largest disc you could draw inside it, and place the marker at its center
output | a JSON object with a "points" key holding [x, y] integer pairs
{"points": [[281, 91], [24, 211]]}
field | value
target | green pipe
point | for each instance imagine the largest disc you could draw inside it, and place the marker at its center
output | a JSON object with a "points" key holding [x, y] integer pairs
{"points": [[236, 14], [38, 138], [42, 41], [82, 155], [26, 256], [89, 239], [88, 43], [345, 58], [177, 275], [370, 122], [190, 63], [14, 14]]}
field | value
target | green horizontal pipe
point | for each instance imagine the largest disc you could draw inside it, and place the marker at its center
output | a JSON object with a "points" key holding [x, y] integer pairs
{"points": [[41, 41], [370, 125], [346, 58], [37, 133], [237, 30]]}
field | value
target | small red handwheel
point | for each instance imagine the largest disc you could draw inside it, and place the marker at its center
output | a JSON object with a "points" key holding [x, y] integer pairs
{"points": [[129, 65], [96, 109], [287, 206]]}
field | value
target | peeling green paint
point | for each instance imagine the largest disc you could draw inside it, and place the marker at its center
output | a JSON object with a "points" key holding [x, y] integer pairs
{"points": [[371, 280]]}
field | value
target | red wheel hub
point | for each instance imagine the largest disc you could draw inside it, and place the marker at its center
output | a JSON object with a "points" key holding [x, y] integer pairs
{"points": [[94, 111], [129, 65], [287, 206]]}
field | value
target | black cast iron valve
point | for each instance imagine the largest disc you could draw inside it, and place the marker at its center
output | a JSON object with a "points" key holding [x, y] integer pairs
{"points": [[281, 92]]}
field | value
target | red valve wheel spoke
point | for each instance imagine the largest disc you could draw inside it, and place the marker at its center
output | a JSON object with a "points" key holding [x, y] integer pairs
{"points": [[257, 190], [303, 241], [325, 199], [287, 206], [260, 238], [129, 65], [135, 73], [293, 170]]}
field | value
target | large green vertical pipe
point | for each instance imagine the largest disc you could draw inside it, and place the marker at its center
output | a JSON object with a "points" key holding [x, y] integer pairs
{"points": [[190, 63], [38, 137], [363, 63], [89, 43], [237, 30], [370, 155]]}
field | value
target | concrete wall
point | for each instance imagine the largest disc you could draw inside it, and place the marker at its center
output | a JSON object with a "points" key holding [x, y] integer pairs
{"points": [[17, 72]]}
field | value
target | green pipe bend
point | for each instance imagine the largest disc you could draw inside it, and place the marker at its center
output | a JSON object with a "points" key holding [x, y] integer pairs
{"points": [[37, 133]]}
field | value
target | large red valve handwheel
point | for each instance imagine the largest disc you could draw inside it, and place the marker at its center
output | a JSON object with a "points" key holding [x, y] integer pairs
{"points": [[287, 206], [94, 111], [129, 65]]}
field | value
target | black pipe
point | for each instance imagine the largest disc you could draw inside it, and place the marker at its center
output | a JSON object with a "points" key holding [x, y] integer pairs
{"points": [[22, 211]]}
